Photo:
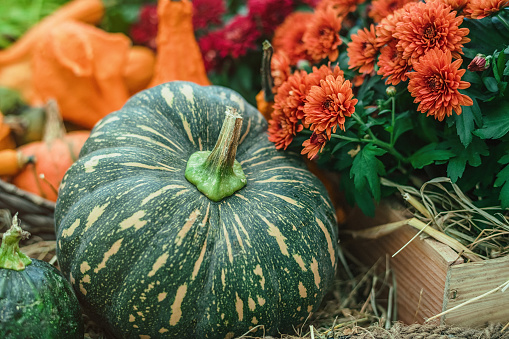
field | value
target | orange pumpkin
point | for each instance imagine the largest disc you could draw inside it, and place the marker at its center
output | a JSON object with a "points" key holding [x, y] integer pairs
{"points": [[53, 156]]}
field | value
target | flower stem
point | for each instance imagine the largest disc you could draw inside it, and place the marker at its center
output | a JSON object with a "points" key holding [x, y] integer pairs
{"points": [[363, 124], [393, 119], [386, 146]]}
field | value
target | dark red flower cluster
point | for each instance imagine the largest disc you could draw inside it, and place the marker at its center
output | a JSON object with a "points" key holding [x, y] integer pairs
{"points": [[269, 14], [144, 31]]}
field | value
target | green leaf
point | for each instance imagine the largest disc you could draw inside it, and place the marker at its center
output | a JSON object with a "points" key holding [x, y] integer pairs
{"points": [[429, 154], [496, 122], [360, 198], [402, 124], [491, 84], [471, 155], [465, 125], [503, 181], [366, 168], [498, 67]]}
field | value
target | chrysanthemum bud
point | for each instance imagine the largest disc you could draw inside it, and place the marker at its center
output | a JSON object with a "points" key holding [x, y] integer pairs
{"points": [[391, 91], [479, 63]]}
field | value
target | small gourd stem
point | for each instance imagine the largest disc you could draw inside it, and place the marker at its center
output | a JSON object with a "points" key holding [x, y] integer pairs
{"points": [[10, 255], [222, 156], [267, 81], [54, 128]]}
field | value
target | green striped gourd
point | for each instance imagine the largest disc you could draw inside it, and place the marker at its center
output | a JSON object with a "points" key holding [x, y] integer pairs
{"points": [[151, 256], [35, 299]]}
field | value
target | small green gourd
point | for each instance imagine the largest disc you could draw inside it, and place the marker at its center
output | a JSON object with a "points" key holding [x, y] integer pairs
{"points": [[35, 299]]}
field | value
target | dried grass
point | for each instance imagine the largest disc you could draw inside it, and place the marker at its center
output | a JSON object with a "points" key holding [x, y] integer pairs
{"points": [[441, 204]]}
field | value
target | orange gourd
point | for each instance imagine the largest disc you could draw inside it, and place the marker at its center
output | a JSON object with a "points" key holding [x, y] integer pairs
{"points": [[90, 11], [178, 54], [82, 68], [12, 162], [139, 69], [263, 106], [53, 156], [15, 61]]}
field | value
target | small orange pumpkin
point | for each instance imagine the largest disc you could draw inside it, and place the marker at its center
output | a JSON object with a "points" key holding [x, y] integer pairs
{"points": [[53, 156]]}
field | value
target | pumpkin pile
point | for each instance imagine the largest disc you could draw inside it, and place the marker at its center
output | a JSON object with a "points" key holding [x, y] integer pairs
{"points": [[87, 73]]}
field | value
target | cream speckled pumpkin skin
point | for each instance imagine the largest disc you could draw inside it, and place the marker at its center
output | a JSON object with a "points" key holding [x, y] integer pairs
{"points": [[148, 254]]}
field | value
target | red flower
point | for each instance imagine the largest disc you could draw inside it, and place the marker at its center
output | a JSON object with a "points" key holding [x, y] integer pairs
{"points": [[328, 104], [478, 9], [207, 13], [144, 31], [435, 84], [362, 51], [478, 64], [234, 40], [288, 36], [322, 35], [240, 36], [426, 26], [211, 46], [269, 13], [314, 144]]}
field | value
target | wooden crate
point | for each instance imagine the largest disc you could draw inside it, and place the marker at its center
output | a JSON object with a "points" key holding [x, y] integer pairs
{"points": [[430, 276]]}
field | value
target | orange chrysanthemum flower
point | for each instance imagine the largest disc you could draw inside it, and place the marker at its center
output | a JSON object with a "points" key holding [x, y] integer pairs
{"points": [[280, 69], [387, 27], [382, 8], [322, 35], [341, 7], [392, 65], [314, 144], [328, 104], [425, 26], [288, 36], [291, 95], [435, 84], [478, 9], [320, 73], [362, 51], [456, 5], [282, 129]]}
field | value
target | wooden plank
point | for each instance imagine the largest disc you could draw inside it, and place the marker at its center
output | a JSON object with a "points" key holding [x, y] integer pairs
{"points": [[420, 268], [470, 280]]}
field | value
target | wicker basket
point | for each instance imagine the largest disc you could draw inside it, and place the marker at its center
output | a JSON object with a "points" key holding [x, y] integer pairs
{"points": [[35, 213]]}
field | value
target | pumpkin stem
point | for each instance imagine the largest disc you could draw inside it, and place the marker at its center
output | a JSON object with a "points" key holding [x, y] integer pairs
{"points": [[216, 173], [10, 255], [54, 128]]}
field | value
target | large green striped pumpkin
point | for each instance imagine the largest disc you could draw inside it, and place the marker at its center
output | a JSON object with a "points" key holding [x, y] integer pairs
{"points": [[150, 256]]}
